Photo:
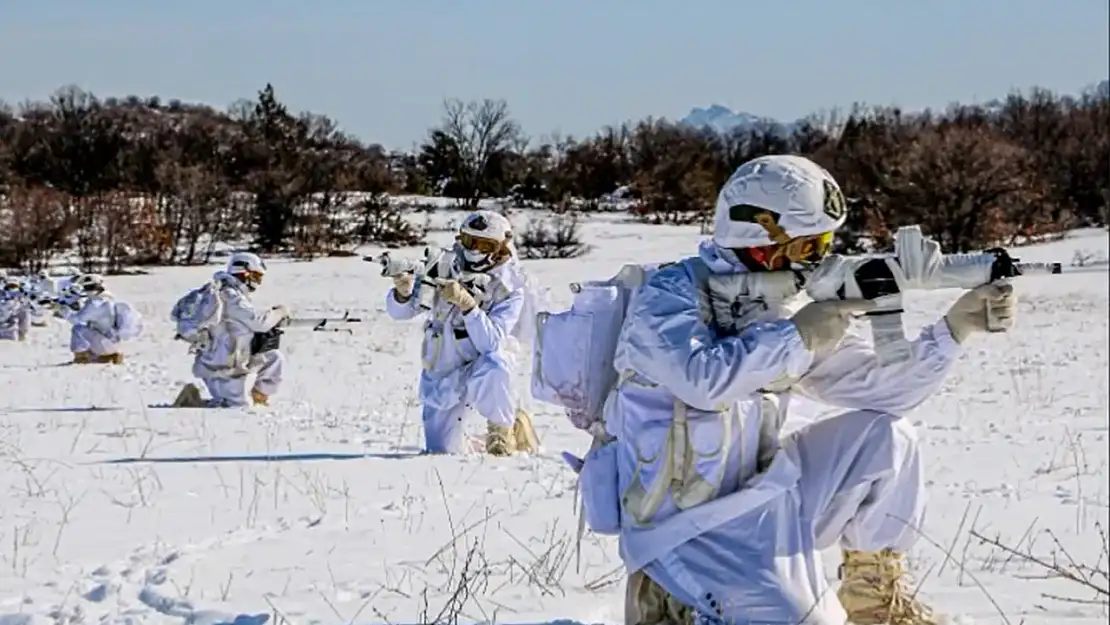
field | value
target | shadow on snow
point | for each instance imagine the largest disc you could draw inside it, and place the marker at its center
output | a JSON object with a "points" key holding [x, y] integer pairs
{"points": [[65, 409], [289, 457]]}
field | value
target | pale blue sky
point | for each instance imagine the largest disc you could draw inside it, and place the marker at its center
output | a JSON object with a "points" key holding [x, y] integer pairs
{"points": [[383, 67]]}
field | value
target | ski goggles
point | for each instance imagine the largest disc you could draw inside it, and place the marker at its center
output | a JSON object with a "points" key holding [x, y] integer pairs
{"points": [[806, 249], [479, 244], [248, 277]]}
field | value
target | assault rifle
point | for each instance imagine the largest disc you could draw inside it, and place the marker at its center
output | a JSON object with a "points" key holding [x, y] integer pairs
{"points": [[321, 324], [433, 271], [916, 264], [271, 339]]}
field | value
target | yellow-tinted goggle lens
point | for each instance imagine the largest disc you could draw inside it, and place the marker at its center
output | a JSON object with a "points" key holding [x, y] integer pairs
{"points": [[478, 244], [808, 248]]}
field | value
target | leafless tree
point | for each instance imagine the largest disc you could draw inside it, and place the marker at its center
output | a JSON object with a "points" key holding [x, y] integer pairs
{"points": [[480, 132]]}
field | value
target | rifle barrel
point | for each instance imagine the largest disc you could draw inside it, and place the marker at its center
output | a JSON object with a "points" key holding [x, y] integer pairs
{"points": [[1030, 269]]}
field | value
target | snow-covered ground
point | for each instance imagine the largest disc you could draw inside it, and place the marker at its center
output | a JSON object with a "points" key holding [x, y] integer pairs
{"points": [[116, 509]]}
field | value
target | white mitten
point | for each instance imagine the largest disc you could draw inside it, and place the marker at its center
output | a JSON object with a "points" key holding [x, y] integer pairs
{"points": [[822, 324], [402, 286], [988, 308]]}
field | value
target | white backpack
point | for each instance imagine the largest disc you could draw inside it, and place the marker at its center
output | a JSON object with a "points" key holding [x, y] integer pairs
{"points": [[196, 313], [128, 321], [572, 367], [573, 351]]}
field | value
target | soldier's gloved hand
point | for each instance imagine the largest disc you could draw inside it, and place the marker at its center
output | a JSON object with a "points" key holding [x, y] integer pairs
{"points": [[453, 292], [822, 324], [402, 287], [991, 307], [281, 312]]}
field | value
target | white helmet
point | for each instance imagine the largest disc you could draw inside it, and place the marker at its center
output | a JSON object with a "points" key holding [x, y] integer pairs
{"points": [[248, 268], [89, 283], [71, 289], [485, 238], [773, 199]]}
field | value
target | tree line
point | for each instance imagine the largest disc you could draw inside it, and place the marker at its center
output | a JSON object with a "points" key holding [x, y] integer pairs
{"points": [[118, 182]]}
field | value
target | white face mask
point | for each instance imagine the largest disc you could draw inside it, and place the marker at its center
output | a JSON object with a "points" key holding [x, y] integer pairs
{"points": [[474, 260], [473, 256]]}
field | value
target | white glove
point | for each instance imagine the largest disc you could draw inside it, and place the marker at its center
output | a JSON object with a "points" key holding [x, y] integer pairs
{"points": [[822, 324], [453, 292], [402, 286], [281, 312], [988, 308]]}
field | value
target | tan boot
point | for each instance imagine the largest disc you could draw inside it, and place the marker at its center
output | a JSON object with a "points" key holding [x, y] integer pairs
{"points": [[110, 359], [189, 397], [875, 590], [524, 435], [498, 440], [82, 358], [259, 398], [646, 603]]}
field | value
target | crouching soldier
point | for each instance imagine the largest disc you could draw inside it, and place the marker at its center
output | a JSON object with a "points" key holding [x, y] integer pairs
{"points": [[231, 339], [467, 338], [102, 323], [15, 312]]}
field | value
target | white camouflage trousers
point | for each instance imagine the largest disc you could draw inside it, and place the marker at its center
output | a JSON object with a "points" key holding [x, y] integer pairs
{"points": [[861, 487], [232, 391], [484, 385], [83, 338]]}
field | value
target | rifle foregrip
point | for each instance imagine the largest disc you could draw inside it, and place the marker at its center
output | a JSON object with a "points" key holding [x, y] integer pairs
{"points": [[1004, 266], [875, 280]]}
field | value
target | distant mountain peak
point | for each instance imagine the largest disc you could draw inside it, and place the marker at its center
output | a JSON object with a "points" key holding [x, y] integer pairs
{"points": [[714, 109], [723, 119]]}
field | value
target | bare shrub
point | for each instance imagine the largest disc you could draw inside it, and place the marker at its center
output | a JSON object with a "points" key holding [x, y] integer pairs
{"points": [[1090, 580], [556, 237], [381, 223], [34, 225]]}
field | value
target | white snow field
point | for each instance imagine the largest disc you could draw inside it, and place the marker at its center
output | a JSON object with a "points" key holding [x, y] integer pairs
{"points": [[318, 509]]}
